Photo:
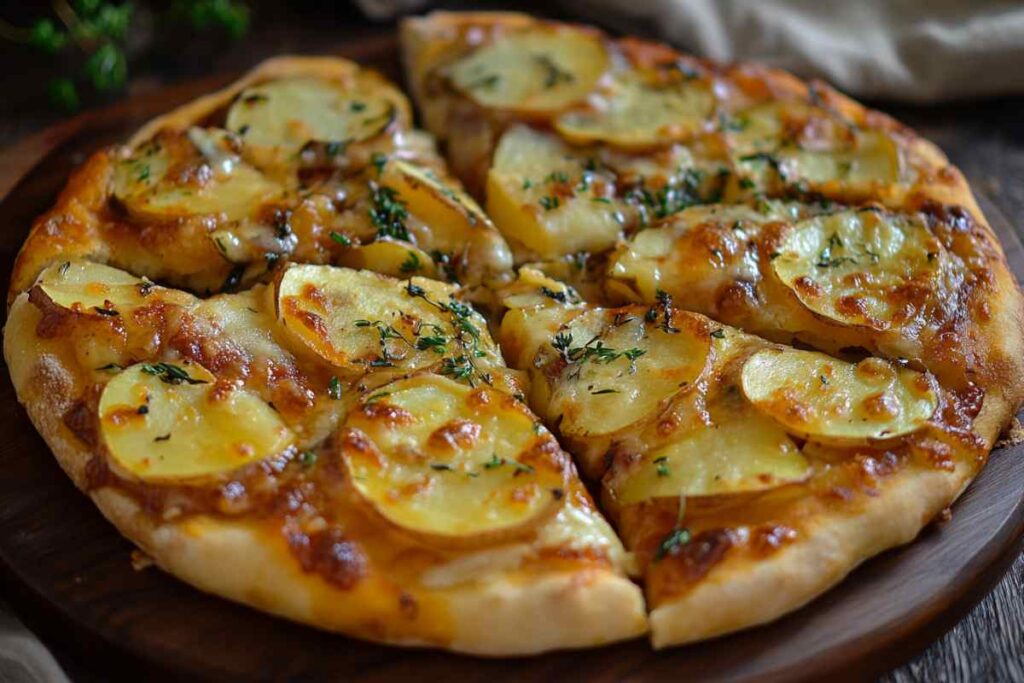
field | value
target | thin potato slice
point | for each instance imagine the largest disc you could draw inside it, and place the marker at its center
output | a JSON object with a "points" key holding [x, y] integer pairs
{"points": [[450, 222], [640, 113], [804, 143], [92, 288], [619, 368], [450, 212], [361, 320], [865, 267], [176, 176], [540, 70], [533, 289], [748, 454], [453, 466], [823, 399], [288, 113], [875, 157], [542, 196], [388, 257], [166, 422]]}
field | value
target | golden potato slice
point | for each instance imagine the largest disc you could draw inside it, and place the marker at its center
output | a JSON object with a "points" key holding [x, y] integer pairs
{"points": [[450, 212], [533, 289], [92, 288], [167, 422], [749, 454], [389, 257], [677, 258], [449, 222], [539, 70], [637, 112], [452, 466], [861, 267], [288, 113], [359, 320], [198, 174], [619, 367], [874, 157], [544, 196], [820, 398], [802, 142]]}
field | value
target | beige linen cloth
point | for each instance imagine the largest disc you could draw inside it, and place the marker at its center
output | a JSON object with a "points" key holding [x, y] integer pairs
{"points": [[911, 50], [917, 50]]}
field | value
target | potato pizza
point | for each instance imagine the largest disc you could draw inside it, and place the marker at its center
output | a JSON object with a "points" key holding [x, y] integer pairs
{"points": [[650, 346]]}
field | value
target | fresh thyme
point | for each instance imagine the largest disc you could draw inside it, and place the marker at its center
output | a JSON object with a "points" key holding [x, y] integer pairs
{"points": [[388, 213], [171, 374]]}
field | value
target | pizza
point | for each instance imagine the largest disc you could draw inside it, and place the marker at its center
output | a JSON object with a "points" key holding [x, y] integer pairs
{"points": [[656, 347]]}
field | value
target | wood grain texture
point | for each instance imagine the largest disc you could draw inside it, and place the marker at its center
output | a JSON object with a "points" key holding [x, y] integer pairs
{"points": [[91, 596]]}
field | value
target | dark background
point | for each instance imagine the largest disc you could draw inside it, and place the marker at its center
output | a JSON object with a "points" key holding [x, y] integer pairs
{"points": [[984, 138]]}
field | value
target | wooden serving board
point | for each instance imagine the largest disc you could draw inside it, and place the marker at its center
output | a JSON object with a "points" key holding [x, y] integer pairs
{"points": [[68, 570]]}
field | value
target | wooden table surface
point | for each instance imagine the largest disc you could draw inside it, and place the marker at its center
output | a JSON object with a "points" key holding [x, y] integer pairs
{"points": [[985, 139]]}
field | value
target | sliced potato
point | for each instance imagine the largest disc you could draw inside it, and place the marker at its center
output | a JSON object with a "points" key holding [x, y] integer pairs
{"points": [[542, 196], [802, 142], [358, 320], [449, 212], [861, 267], [450, 465], [637, 112], [681, 259], [389, 257], [534, 289], [820, 398], [90, 288], [288, 113], [170, 177], [875, 157], [525, 330], [539, 70], [618, 368], [748, 454], [166, 422]]}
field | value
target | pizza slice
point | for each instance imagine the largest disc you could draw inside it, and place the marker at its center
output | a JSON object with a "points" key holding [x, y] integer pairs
{"points": [[625, 169], [746, 476], [304, 159], [337, 447]]}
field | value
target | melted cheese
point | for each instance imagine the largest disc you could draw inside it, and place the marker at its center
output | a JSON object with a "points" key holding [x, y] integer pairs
{"points": [[170, 422], [821, 398], [543, 69], [689, 262], [450, 465]]}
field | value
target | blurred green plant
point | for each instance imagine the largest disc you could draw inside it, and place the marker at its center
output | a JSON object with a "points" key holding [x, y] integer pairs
{"points": [[98, 31], [204, 15]]}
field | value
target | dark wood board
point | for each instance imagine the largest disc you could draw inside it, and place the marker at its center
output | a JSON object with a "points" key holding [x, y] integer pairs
{"points": [[68, 570]]}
